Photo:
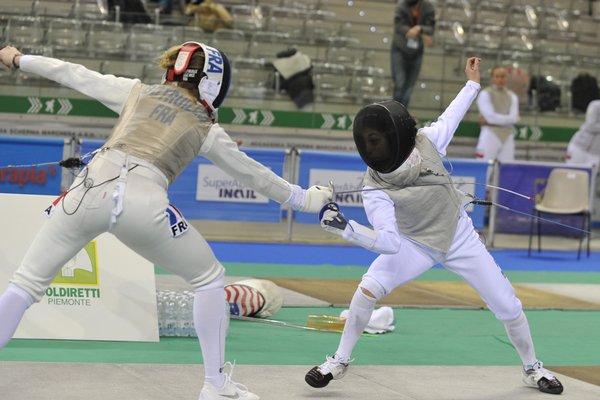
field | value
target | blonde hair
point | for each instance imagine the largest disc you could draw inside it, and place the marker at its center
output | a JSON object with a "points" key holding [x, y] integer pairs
{"points": [[167, 60]]}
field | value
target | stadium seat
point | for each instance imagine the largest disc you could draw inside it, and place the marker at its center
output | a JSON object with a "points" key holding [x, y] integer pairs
{"points": [[107, 39]]}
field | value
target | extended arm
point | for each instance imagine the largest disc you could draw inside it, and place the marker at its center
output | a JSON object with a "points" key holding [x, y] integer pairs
{"points": [[486, 109], [108, 89], [442, 131], [383, 238], [224, 153]]}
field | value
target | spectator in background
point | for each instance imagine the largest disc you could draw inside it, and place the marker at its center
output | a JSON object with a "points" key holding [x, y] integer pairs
{"points": [[498, 114], [131, 11], [584, 146], [414, 21], [209, 15], [164, 6]]}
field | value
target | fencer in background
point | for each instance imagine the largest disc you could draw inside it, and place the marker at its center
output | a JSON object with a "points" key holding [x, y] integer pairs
{"points": [[499, 112], [419, 220], [123, 190], [584, 146]]}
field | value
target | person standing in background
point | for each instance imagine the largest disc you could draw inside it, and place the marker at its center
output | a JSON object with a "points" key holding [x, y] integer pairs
{"points": [[414, 21], [498, 113], [584, 146]]}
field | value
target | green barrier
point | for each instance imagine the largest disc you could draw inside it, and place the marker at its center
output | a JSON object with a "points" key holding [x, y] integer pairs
{"points": [[254, 117]]}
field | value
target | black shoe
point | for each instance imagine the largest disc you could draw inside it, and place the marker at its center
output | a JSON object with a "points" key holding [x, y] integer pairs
{"points": [[319, 377], [316, 379]]}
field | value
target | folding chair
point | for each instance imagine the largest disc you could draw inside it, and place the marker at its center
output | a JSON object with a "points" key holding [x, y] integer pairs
{"points": [[567, 193]]}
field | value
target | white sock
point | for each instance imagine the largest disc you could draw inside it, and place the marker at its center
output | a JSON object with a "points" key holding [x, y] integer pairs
{"points": [[209, 321], [520, 336], [361, 308], [13, 304]]}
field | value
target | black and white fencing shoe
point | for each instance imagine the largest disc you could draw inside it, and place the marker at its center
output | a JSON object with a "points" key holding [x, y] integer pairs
{"points": [[332, 368], [539, 377]]}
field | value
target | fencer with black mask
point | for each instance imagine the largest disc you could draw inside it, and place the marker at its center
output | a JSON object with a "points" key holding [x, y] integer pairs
{"points": [[123, 190], [418, 221]]}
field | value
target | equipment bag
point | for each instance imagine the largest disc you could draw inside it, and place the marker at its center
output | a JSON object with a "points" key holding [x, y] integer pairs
{"points": [[584, 89], [548, 93]]}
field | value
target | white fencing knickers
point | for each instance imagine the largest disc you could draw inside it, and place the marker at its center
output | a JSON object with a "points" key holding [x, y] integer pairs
{"points": [[135, 197], [466, 257]]}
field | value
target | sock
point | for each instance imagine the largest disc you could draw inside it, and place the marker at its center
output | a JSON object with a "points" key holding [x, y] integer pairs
{"points": [[520, 336], [13, 304], [361, 308], [210, 325]]}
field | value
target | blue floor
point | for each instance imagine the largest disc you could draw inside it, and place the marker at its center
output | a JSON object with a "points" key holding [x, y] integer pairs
{"points": [[547, 260]]}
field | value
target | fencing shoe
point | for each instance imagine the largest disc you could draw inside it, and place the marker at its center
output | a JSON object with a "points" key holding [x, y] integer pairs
{"points": [[230, 390], [332, 368], [539, 377]]}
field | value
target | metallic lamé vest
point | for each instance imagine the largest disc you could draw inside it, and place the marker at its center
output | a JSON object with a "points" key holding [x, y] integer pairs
{"points": [[501, 100], [426, 202], [162, 125]]}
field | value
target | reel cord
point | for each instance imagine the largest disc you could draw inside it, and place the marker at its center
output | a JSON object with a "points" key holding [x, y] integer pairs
{"points": [[88, 188]]}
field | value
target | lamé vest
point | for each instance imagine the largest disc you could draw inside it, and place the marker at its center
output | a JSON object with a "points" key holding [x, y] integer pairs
{"points": [[426, 202], [501, 100], [162, 125]]}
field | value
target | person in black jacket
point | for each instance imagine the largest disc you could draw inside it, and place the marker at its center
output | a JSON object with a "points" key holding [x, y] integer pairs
{"points": [[414, 21]]}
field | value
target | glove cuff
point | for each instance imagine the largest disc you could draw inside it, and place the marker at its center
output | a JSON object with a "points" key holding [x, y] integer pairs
{"points": [[297, 197]]}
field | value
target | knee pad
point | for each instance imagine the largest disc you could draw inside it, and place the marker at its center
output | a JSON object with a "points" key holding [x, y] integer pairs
{"points": [[372, 286], [509, 311], [217, 283]]}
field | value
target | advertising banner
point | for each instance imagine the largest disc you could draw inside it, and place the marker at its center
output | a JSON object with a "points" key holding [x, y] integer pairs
{"points": [[21, 150], [203, 191], [470, 176], [215, 185], [105, 292]]}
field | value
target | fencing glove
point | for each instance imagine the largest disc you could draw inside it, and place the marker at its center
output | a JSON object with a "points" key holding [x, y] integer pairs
{"points": [[332, 219], [311, 199]]}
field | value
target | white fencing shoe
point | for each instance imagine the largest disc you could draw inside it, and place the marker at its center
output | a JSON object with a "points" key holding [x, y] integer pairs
{"points": [[230, 390], [332, 368], [539, 377]]}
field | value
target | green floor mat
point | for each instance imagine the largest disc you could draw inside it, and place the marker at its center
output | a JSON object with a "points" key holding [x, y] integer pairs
{"points": [[422, 337]]}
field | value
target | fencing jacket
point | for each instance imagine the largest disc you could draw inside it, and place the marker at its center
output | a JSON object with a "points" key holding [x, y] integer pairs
{"points": [[426, 215], [425, 200], [160, 124], [587, 138]]}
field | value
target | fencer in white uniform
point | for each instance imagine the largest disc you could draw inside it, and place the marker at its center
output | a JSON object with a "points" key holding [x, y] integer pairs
{"points": [[418, 220], [123, 190], [584, 146], [499, 112]]}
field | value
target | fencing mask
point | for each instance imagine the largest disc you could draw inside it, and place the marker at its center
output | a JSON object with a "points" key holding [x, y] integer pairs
{"points": [[212, 81], [384, 134]]}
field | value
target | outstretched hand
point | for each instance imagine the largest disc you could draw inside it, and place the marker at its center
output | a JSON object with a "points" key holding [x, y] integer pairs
{"points": [[10, 56], [472, 69]]}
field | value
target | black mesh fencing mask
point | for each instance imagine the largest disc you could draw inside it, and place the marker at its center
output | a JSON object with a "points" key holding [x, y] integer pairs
{"points": [[384, 134]]}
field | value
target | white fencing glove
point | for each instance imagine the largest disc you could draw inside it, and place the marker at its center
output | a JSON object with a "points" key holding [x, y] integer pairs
{"points": [[332, 219], [311, 199], [8, 54]]}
